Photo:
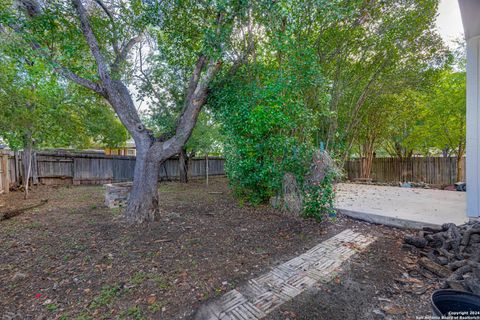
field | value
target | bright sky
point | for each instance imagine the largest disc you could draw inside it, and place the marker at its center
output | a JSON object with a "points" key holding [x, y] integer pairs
{"points": [[449, 21]]}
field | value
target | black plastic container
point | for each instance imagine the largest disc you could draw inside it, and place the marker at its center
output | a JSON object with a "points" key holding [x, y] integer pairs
{"points": [[456, 302]]}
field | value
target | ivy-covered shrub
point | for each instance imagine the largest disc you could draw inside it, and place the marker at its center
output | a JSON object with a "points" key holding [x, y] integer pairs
{"points": [[318, 199], [267, 130], [268, 113]]}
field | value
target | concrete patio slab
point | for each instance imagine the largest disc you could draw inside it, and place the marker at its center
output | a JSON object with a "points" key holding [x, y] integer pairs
{"points": [[401, 207]]}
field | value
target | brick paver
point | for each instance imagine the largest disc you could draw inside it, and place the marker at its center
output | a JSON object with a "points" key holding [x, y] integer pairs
{"points": [[260, 296]]}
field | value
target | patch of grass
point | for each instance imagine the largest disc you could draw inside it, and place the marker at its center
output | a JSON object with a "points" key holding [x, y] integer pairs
{"points": [[218, 292], [194, 241], [302, 236], [116, 211], [74, 244], [34, 225], [107, 296], [10, 228], [155, 307], [150, 254], [160, 281], [241, 203], [83, 317], [138, 278], [260, 250], [135, 313], [52, 307], [84, 195], [194, 263]]}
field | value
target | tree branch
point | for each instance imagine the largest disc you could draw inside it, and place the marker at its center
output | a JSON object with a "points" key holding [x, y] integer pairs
{"points": [[112, 21], [122, 55], [193, 105], [33, 9], [91, 40], [195, 77], [81, 81], [105, 9]]}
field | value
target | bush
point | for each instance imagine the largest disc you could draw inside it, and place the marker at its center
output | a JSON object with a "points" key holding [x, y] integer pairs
{"points": [[267, 130], [318, 199]]}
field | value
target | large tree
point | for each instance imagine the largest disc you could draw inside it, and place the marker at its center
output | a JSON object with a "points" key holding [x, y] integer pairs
{"points": [[89, 43]]}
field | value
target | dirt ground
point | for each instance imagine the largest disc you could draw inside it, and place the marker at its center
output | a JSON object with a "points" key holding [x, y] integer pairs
{"points": [[73, 258]]}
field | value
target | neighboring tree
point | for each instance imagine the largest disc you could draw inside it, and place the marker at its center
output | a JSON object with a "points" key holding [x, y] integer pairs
{"points": [[445, 119], [37, 110], [365, 50], [90, 46], [372, 131]]}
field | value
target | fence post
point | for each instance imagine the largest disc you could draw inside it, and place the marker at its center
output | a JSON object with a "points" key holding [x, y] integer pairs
{"points": [[206, 168], [17, 168], [6, 174]]}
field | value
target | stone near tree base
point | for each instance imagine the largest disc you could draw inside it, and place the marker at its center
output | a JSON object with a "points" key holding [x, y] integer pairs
{"points": [[116, 194]]}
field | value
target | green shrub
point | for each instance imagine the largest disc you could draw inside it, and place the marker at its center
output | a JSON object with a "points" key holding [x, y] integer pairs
{"points": [[267, 130], [318, 199]]}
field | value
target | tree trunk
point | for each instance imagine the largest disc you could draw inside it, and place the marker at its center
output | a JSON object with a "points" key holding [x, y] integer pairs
{"points": [[143, 199], [27, 167], [183, 165], [34, 171], [459, 169], [206, 169], [460, 152], [367, 162], [17, 169]]}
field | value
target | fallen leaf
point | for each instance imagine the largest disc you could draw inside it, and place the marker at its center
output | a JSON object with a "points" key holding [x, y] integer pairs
{"points": [[394, 310], [151, 299]]}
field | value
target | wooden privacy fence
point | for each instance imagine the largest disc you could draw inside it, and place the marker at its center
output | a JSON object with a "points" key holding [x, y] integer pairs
{"points": [[55, 168], [431, 170]]}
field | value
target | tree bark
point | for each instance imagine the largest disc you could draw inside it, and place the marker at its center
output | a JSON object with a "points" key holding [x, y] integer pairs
{"points": [[459, 169], [143, 199], [460, 152], [367, 158], [27, 167], [152, 151], [183, 165]]}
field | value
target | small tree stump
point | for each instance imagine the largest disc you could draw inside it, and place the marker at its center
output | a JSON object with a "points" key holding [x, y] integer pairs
{"points": [[116, 194]]}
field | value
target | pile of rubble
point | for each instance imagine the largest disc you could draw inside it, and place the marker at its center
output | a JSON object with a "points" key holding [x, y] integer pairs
{"points": [[452, 253]]}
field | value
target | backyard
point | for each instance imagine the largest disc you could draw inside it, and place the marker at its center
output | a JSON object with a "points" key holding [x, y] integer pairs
{"points": [[239, 160], [74, 258]]}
